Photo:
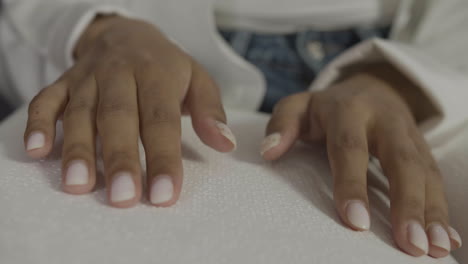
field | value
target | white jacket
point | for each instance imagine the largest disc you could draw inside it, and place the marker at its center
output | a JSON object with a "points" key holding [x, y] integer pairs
{"points": [[428, 44]]}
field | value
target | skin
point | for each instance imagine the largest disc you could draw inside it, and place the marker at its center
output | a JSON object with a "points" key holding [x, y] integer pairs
{"points": [[129, 81], [360, 116]]}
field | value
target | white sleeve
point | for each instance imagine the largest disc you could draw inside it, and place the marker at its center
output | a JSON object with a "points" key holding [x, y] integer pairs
{"points": [[430, 50], [51, 27], [37, 40]]}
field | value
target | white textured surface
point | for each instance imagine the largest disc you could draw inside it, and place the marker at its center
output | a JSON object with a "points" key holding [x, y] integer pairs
{"points": [[234, 208]]}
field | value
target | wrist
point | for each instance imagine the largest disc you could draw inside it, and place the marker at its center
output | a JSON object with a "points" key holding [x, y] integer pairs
{"points": [[111, 30], [418, 103], [98, 27]]}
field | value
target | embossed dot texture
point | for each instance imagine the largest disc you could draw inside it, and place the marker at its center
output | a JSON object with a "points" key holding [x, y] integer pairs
{"points": [[234, 208]]}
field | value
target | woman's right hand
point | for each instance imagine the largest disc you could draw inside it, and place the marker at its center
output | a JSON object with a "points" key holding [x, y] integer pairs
{"points": [[128, 81]]}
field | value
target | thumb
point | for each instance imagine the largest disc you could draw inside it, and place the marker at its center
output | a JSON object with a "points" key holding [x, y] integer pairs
{"points": [[288, 120]]}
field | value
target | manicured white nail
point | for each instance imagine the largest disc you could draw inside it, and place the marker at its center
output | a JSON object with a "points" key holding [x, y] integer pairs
{"points": [[417, 237], [123, 187], [358, 215], [226, 132], [162, 189], [270, 142], [77, 173], [438, 237], [36, 140], [453, 234]]}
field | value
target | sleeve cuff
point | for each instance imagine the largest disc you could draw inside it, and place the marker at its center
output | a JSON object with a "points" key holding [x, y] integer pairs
{"points": [[71, 23], [433, 78]]}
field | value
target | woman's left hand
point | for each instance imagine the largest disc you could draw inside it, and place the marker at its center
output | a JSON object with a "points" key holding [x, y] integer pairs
{"points": [[360, 116]]}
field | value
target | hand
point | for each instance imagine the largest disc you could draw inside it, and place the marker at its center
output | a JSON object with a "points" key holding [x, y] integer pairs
{"points": [[128, 81], [359, 116]]}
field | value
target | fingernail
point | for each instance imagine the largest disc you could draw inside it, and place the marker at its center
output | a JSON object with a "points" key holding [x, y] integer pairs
{"points": [[162, 189], [455, 237], [123, 187], [77, 173], [226, 132], [438, 237], [36, 140], [358, 215], [417, 237], [270, 142]]}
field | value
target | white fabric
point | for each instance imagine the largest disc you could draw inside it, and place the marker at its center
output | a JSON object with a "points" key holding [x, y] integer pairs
{"points": [[234, 208], [278, 16], [36, 36]]}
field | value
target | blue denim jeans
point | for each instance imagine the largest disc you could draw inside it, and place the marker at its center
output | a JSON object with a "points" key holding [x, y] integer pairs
{"points": [[5, 108], [290, 62]]}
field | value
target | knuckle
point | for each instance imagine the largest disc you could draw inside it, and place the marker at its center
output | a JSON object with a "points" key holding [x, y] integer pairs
{"points": [[114, 108], [412, 203], [113, 63], [158, 116], [436, 212], [350, 186], [108, 41], [38, 115], [393, 125], [151, 88], [77, 148], [347, 104], [166, 159], [43, 99], [79, 106], [121, 157], [407, 155], [34, 109], [148, 63], [347, 141], [145, 57], [37, 103]]}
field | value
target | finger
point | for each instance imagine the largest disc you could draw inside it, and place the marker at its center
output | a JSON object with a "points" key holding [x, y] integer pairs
{"points": [[455, 238], [206, 109], [289, 118], [79, 151], [402, 164], [43, 113], [441, 236], [160, 113], [348, 154], [117, 124]]}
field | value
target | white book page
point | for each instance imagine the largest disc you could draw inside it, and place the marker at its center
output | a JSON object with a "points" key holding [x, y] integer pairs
{"points": [[235, 208]]}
